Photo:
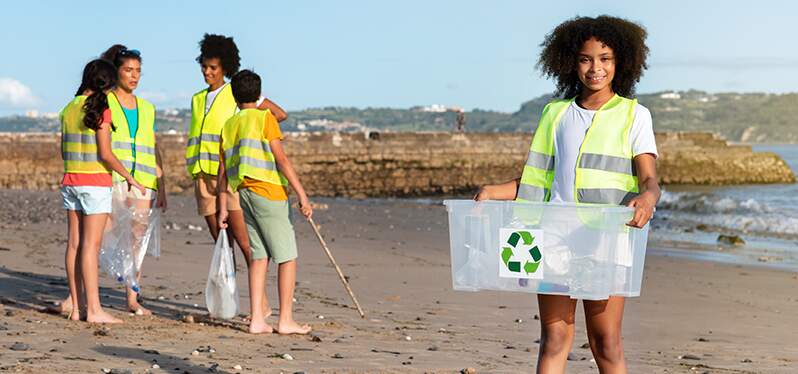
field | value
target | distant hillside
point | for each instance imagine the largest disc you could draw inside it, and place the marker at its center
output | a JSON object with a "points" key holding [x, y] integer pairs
{"points": [[752, 117]]}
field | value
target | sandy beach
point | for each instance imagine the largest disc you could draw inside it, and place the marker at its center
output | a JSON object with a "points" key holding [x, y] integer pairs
{"points": [[692, 317]]}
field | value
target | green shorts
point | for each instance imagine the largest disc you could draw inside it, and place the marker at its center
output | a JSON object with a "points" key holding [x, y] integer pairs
{"points": [[271, 233]]}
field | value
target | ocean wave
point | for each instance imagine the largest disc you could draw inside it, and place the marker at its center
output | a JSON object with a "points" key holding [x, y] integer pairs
{"points": [[707, 203], [724, 213]]}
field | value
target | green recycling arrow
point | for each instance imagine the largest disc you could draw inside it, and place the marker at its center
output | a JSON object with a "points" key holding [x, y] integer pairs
{"points": [[507, 253]]}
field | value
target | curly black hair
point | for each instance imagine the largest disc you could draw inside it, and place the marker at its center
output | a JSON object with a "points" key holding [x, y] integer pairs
{"points": [[559, 57], [223, 48]]}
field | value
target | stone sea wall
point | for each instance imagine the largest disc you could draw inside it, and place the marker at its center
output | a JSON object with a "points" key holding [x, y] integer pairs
{"points": [[410, 164]]}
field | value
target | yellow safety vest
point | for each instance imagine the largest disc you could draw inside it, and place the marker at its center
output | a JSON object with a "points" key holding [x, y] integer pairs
{"points": [[78, 142], [202, 149], [142, 166], [605, 172], [246, 152]]}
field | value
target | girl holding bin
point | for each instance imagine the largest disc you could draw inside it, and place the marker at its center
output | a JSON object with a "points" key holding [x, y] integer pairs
{"points": [[86, 128], [593, 145]]}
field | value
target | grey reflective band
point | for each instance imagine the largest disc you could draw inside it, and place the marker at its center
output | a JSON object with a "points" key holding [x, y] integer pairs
{"points": [[145, 149], [79, 156], [540, 160], [254, 162], [79, 138], [605, 196], [202, 156], [122, 145], [607, 163], [252, 143], [127, 164], [146, 169], [532, 193], [203, 138]]}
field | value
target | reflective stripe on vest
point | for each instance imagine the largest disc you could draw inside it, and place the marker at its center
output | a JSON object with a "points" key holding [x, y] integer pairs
{"points": [[143, 165], [202, 148], [246, 152], [78, 142], [605, 172]]}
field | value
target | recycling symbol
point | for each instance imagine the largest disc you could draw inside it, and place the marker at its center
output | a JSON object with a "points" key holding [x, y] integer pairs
{"points": [[507, 253]]}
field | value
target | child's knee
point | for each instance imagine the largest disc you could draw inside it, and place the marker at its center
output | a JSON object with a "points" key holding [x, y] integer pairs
{"points": [[555, 339], [608, 346]]}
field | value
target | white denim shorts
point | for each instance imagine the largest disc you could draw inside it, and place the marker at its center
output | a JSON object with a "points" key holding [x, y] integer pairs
{"points": [[87, 199]]}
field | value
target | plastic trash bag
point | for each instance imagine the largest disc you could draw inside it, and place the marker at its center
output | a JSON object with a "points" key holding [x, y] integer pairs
{"points": [[133, 231], [221, 293]]}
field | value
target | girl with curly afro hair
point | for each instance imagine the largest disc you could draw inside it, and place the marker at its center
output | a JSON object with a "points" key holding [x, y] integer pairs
{"points": [[210, 109], [593, 145]]}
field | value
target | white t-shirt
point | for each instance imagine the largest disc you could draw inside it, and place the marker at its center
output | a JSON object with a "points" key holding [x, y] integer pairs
{"points": [[211, 97], [571, 133]]}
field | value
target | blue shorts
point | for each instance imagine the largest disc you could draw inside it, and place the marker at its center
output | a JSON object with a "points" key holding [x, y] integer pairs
{"points": [[87, 199]]}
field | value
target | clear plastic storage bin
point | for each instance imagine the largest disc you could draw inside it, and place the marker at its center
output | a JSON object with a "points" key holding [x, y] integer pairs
{"points": [[583, 251]]}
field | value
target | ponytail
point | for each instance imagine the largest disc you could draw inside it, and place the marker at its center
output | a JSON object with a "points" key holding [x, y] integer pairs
{"points": [[99, 76]]}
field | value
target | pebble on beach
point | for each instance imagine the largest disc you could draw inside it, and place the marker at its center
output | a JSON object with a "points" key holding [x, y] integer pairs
{"points": [[288, 357]]}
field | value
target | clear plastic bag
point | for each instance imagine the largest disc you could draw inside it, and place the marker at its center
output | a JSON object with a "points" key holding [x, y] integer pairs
{"points": [[221, 293], [133, 231]]}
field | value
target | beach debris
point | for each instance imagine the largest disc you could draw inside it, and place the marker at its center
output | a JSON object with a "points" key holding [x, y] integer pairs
{"points": [[161, 298], [173, 226], [468, 371], [585, 346], [195, 353], [156, 366], [315, 338], [4, 249], [536, 317], [205, 349], [19, 347], [188, 318], [408, 338], [194, 228], [703, 339], [689, 356], [151, 352], [103, 331], [286, 356], [375, 350], [518, 320], [730, 239], [338, 355], [746, 361], [701, 227], [573, 356], [237, 367], [320, 316], [432, 349]]}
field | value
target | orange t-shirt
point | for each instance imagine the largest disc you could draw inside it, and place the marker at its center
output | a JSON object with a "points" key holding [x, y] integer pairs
{"points": [[270, 191]]}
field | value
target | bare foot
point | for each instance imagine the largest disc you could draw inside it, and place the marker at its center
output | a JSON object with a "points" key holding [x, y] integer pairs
{"points": [[260, 328], [74, 315], [63, 307], [102, 317], [291, 327], [138, 310]]}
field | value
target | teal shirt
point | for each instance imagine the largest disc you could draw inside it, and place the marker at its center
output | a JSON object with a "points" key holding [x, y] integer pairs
{"points": [[132, 116]]}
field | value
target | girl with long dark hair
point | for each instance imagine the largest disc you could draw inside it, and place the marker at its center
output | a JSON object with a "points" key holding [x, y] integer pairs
{"points": [[86, 128]]}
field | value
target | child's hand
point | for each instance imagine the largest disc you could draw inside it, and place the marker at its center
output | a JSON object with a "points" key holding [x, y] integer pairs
{"points": [[644, 209], [221, 219], [161, 202], [483, 194], [133, 183], [304, 207]]}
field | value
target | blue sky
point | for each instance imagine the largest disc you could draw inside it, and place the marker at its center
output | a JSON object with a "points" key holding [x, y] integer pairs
{"points": [[473, 54]]}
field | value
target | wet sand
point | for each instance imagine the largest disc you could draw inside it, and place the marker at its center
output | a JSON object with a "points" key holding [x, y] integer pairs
{"points": [[693, 316]]}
